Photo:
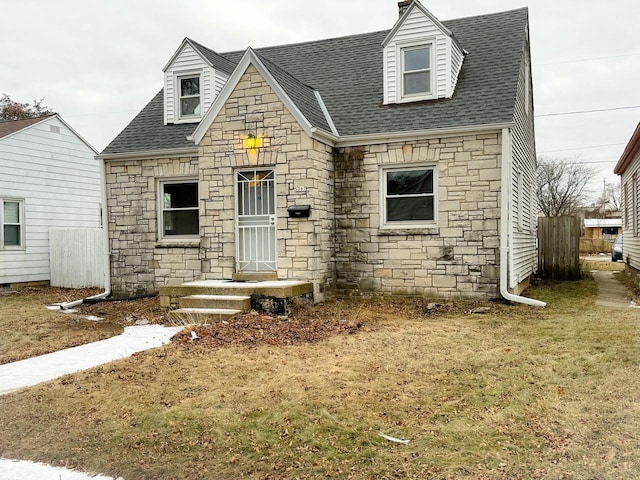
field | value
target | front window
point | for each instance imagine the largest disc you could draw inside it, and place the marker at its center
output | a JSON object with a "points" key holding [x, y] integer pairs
{"points": [[189, 96], [12, 220], [409, 196], [416, 70], [179, 216]]}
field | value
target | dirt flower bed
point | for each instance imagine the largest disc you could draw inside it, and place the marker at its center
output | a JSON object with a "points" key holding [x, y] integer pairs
{"points": [[140, 311], [310, 323]]}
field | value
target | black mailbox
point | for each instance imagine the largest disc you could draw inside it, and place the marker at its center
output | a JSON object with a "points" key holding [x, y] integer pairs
{"points": [[299, 211]]}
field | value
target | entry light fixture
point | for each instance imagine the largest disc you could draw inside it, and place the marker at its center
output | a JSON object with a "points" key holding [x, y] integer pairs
{"points": [[252, 143]]}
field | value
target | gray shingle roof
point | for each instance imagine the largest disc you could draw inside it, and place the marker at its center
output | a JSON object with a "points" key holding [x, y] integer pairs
{"points": [[218, 61], [302, 95], [347, 71]]}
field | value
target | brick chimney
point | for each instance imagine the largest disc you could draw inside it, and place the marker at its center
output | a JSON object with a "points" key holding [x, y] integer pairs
{"points": [[402, 6]]}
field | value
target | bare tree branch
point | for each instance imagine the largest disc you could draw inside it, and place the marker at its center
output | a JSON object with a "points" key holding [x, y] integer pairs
{"points": [[561, 185]]}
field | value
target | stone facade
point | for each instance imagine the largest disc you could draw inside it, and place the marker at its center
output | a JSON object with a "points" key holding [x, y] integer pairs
{"points": [[458, 256], [139, 263], [304, 176], [342, 246]]}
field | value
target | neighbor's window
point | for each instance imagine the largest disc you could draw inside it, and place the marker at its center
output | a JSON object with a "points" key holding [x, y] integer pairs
{"points": [[189, 96], [12, 220], [409, 196], [179, 209], [416, 70]]}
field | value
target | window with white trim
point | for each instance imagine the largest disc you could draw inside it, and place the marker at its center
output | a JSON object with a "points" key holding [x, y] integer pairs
{"points": [[189, 100], [12, 221], [416, 71], [179, 214], [408, 196]]}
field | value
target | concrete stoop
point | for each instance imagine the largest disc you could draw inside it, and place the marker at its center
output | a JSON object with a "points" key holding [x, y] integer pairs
{"points": [[208, 301]]}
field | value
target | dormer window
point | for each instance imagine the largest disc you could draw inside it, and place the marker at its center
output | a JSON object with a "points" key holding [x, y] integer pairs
{"points": [[189, 101], [416, 70]]}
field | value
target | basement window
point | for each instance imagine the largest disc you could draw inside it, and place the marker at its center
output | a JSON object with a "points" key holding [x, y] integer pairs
{"points": [[179, 214]]}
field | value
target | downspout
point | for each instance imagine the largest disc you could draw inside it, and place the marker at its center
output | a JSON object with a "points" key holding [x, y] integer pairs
{"points": [[106, 257], [505, 215]]}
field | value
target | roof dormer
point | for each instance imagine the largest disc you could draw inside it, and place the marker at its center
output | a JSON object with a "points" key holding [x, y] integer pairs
{"points": [[421, 57], [193, 77]]}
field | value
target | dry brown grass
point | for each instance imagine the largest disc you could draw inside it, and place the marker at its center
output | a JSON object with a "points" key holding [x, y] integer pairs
{"points": [[516, 393], [602, 265], [28, 329]]}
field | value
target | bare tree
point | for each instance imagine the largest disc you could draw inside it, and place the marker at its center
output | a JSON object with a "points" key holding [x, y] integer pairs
{"points": [[11, 110], [561, 185]]}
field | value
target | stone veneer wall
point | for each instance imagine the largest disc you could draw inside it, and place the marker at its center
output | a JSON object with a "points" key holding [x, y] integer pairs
{"points": [[304, 245], [457, 257], [139, 263]]}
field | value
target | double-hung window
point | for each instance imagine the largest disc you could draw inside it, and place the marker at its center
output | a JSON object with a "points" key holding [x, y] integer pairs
{"points": [[189, 96], [416, 71], [12, 222], [179, 215], [409, 196]]}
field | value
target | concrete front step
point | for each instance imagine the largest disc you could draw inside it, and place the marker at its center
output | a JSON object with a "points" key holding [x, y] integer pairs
{"points": [[234, 302], [200, 316], [269, 296]]}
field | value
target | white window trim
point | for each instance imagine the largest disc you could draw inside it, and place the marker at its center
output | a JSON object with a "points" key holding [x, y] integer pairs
{"points": [[160, 194], [177, 90], [22, 245], [416, 43], [384, 225]]}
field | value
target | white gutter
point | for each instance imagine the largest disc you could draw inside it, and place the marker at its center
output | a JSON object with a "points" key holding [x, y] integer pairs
{"points": [[505, 216], [105, 249], [411, 135]]}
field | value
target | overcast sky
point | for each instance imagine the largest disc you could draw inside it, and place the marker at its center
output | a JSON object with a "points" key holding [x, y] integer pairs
{"points": [[98, 63]]}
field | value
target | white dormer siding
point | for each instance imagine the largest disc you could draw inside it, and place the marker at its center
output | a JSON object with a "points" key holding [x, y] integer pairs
{"points": [[188, 63], [417, 27]]}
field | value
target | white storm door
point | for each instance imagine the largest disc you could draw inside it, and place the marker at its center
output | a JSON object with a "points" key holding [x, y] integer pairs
{"points": [[255, 221]]}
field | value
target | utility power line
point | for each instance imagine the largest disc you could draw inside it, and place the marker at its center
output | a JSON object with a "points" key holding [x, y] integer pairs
{"points": [[584, 148], [587, 111]]}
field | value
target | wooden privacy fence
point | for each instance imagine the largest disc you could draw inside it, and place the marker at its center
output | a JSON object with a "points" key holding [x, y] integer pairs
{"points": [[76, 257], [559, 248]]}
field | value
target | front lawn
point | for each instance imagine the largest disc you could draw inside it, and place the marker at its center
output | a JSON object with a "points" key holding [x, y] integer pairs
{"points": [[512, 393]]}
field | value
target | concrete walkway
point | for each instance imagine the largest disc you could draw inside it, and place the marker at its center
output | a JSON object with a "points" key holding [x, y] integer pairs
{"points": [[611, 293], [29, 372]]}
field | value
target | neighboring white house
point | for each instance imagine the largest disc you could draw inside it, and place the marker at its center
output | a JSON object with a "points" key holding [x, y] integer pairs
{"points": [[628, 168], [49, 179]]}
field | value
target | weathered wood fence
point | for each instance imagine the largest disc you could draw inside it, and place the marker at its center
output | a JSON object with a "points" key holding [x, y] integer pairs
{"points": [[76, 257], [559, 248]]}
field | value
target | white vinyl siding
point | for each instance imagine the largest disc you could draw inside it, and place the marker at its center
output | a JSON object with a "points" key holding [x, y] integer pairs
{"points": [[189, 63], [446, 57], [523, 221], [59, 179], [631, 209]]}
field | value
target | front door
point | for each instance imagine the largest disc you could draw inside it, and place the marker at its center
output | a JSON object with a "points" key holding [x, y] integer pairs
{"points": [[255, 221]]}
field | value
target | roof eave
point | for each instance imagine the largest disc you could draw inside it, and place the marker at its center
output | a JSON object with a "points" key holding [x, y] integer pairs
{"points": [[186, 41], [630, 151], [149, 154], [400, 21], [410, 135], [249, 58]]}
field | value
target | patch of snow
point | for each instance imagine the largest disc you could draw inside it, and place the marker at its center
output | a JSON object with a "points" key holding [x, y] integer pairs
{"points": [[24, 470], [32, 371]]}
